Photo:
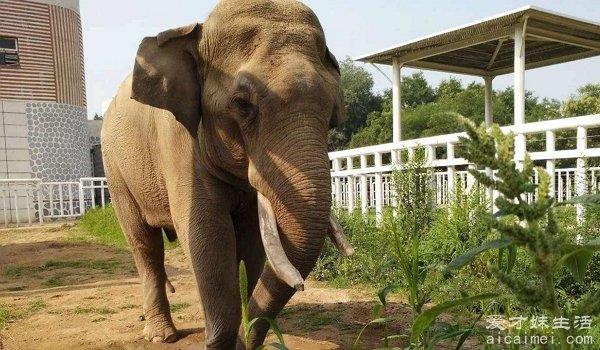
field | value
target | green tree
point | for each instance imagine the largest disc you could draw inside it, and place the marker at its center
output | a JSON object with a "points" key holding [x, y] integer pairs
{"points": [[448, 88], [416, 90], [378, 128], [585, 102], [357, 84]]}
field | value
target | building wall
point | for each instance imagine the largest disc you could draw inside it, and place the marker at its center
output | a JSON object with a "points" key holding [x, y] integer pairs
{"points": [[50, 53], [34, 77], [58, 141], [43, 113], [15, 156]]}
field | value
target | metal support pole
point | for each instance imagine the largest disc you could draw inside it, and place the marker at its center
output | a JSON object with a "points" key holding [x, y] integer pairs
{"points": [[489, 120], [397, 101], [580, 175], [40, 203], [519, 92], [337, 184], [551, 163], [489, 106], [378, 188], [81, 198], [350, 191], [451, 172], [364, 193]]}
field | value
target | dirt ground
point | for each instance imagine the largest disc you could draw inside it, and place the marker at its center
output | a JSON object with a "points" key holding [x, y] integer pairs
{"points": [[57, 293]]}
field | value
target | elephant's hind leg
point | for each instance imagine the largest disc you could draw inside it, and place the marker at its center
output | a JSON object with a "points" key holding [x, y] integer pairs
{"points": [[148, 252]]}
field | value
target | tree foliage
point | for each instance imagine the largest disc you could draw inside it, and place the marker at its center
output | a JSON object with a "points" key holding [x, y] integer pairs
{"points": [[360, 100], [429, 111], [586, 101], [436, 116]]}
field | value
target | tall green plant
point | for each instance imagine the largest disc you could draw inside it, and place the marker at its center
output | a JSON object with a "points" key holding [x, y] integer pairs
{"points": [[408, 225], [247, 323], [529, 226], [410, 221]]}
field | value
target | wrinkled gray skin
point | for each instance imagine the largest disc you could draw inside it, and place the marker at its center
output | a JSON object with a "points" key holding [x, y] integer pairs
{"points": [[213, 113]]}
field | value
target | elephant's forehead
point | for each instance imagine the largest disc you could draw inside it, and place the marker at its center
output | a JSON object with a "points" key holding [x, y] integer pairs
{"points": [[285, 11]]}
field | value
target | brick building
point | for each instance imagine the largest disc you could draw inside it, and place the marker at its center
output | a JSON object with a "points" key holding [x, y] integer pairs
{"points": [[43, 115]]}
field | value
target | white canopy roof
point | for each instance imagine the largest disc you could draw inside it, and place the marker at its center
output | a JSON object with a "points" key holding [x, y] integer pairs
{"points": [[486, 47]]}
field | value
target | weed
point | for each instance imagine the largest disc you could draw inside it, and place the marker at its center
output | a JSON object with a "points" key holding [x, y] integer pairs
{"points": [[5, 315], [129, 306], [89, 310], [247, 323], [10, 313], [37, 305], [530, 227], [13, 271], [55, 281], [108, 266], [176, 307]]}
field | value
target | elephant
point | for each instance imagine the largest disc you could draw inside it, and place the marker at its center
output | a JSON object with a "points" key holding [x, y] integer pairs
{"points": [[218, 138]]}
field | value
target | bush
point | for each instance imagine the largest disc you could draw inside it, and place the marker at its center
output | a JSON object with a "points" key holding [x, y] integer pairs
{"points": [[367, 265]]}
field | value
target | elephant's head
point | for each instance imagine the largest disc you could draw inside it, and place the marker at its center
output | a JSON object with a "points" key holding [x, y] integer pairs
{"points": [[259, 87]]}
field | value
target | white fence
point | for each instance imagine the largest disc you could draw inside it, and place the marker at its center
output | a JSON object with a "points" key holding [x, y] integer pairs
{"points": [[370, 167], [32, 201]]}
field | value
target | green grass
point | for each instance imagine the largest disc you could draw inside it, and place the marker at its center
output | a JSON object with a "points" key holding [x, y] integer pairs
{"points": [[128, 306], [13, 271], [55, 281], [9, 313], [89, 310], [5, 315], [108, 266], [100, 225], [179, 306]]}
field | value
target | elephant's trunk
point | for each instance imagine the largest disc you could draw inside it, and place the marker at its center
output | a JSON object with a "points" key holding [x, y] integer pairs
{"points": [[274, 249], [291, 175]]}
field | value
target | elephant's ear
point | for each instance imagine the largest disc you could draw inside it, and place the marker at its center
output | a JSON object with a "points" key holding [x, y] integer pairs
{"points": [[339, 110], [167, 74]]}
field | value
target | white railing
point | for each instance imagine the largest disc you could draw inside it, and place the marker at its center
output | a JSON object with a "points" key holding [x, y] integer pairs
{"points": [[32, 201], [369, 167]]}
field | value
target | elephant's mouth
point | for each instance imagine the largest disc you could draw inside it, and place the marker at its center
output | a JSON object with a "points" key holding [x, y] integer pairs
{"points": [[274, 250]]}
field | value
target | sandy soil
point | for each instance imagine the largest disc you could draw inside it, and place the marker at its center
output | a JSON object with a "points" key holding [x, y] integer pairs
{"points": [[64, 294]]}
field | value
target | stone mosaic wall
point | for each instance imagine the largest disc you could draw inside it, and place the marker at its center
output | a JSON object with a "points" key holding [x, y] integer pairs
{"points": [[59, 141]]}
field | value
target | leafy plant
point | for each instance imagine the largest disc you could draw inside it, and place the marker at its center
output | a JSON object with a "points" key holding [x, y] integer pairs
{"points": [[529, 226], [247, 324], [411, 221], [409, 225]]}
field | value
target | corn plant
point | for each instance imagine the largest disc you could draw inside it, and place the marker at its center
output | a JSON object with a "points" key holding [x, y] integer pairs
{"points": [[247, 324], [411, 221], [529, 226]]}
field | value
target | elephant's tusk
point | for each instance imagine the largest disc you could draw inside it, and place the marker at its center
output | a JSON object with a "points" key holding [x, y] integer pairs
{"points": [[273, 248], [339, 239]]}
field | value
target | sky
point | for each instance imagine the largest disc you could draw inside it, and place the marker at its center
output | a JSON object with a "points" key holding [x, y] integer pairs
{"points": [[113, 29]]}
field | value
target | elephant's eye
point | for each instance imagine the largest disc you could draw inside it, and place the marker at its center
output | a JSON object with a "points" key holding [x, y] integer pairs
{"points": [[244, 107]]}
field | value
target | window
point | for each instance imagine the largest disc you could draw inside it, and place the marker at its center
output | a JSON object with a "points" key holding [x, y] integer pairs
{"points": [[9, 54]]}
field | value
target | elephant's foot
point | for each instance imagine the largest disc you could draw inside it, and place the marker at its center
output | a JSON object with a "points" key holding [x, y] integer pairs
{"points": [[160, 329]]}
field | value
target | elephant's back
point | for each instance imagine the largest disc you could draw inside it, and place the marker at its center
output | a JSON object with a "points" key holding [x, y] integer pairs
{"points": [[137, 154]]}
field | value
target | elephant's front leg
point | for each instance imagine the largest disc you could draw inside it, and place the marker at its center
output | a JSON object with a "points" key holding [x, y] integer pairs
{"points": [[212, 253], [210, 238]]}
